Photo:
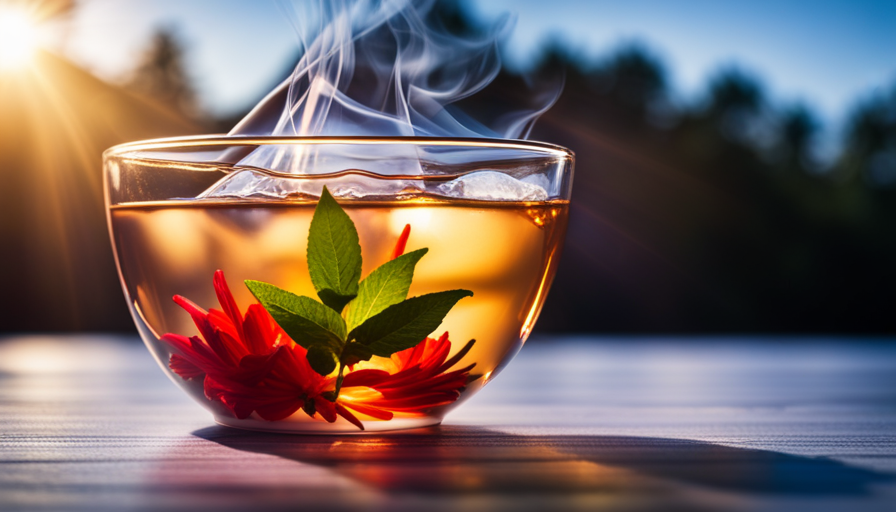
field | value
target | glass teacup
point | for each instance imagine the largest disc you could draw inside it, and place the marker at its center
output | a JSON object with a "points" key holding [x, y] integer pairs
{"points": [[191, 219]]}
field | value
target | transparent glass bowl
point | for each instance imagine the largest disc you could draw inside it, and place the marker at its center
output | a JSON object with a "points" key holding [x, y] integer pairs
{"points": [[492, 214]]}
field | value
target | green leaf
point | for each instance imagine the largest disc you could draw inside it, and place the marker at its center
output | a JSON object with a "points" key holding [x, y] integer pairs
{"points": [[322, 359], [404, 325], [305, 320], [385, 286], [355, 353], [334, 254], [333, 300]]}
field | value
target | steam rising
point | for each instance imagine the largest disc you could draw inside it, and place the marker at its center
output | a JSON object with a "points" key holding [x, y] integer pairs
{"points": [[381, 68]]}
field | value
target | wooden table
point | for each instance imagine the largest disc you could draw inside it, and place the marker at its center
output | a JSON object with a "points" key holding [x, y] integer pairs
{"points": [[90, 423]]}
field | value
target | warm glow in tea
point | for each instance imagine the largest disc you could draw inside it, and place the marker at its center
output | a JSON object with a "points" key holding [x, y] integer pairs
{"points": [[505, 253]]}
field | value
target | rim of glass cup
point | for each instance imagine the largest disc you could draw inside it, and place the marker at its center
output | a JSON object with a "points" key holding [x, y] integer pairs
{"points": [[226, 140], [142, 151]]}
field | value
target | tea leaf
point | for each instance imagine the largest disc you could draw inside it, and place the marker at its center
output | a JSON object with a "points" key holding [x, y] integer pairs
{"points": [[334, 254], [322, 359], [404, 325], [333, 300], [385, 286], [354, 353], [305, 320]]}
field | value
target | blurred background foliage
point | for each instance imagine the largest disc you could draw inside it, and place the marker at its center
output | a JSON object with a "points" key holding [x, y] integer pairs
{"points": [[732, 213]]}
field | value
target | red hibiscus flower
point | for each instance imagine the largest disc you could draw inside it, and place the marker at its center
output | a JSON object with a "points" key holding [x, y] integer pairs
{"points": [[248, 364]]}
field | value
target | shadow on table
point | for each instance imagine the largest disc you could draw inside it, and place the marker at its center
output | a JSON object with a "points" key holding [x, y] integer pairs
{"points": [[452, 459]]}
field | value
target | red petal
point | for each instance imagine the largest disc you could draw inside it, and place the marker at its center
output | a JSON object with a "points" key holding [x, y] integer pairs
{"points": [[220, 321], [442, 382], [326, 408], [416, 403], [180, 343], [259, 335], [457, 357], [225, 298], [345, 413], [410, 377], [224, 393], [369, 378], [402, 242], [271, 404], [280, 410], [437, 354], [200, 317], [375, 412], [196, 352], [255, 368], [228, 349], [184, 368]]}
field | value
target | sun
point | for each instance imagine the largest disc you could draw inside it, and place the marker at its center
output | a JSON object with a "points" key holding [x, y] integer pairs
{"points": [[18, 37]]}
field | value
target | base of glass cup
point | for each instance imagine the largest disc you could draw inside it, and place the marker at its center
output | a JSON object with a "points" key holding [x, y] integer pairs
{"points": [[340, 427]]}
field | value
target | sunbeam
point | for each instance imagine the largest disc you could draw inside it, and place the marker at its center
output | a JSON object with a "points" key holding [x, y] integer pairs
{"points": [[19, 37]]}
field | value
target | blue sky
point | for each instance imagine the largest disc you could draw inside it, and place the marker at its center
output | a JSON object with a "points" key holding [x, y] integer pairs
{"points": [[826, 53]]}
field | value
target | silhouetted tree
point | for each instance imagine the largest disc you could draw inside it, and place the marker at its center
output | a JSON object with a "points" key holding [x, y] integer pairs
{"points": [[736, 101], [453, 16], [163, 74], [734, 89], [797, 133], [634, 78], [870, 145]]}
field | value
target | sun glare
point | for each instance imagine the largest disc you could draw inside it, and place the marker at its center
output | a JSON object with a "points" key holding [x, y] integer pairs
{"points": [[18, 38]]}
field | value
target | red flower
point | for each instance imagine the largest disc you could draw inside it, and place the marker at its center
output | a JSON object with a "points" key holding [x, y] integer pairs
{"points": [[289, 385], [408, 384], [233, 346], [249, 364]]}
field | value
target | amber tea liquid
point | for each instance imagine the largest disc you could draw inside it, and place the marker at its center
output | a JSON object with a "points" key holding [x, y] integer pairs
{"points": [[506, 253]]}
